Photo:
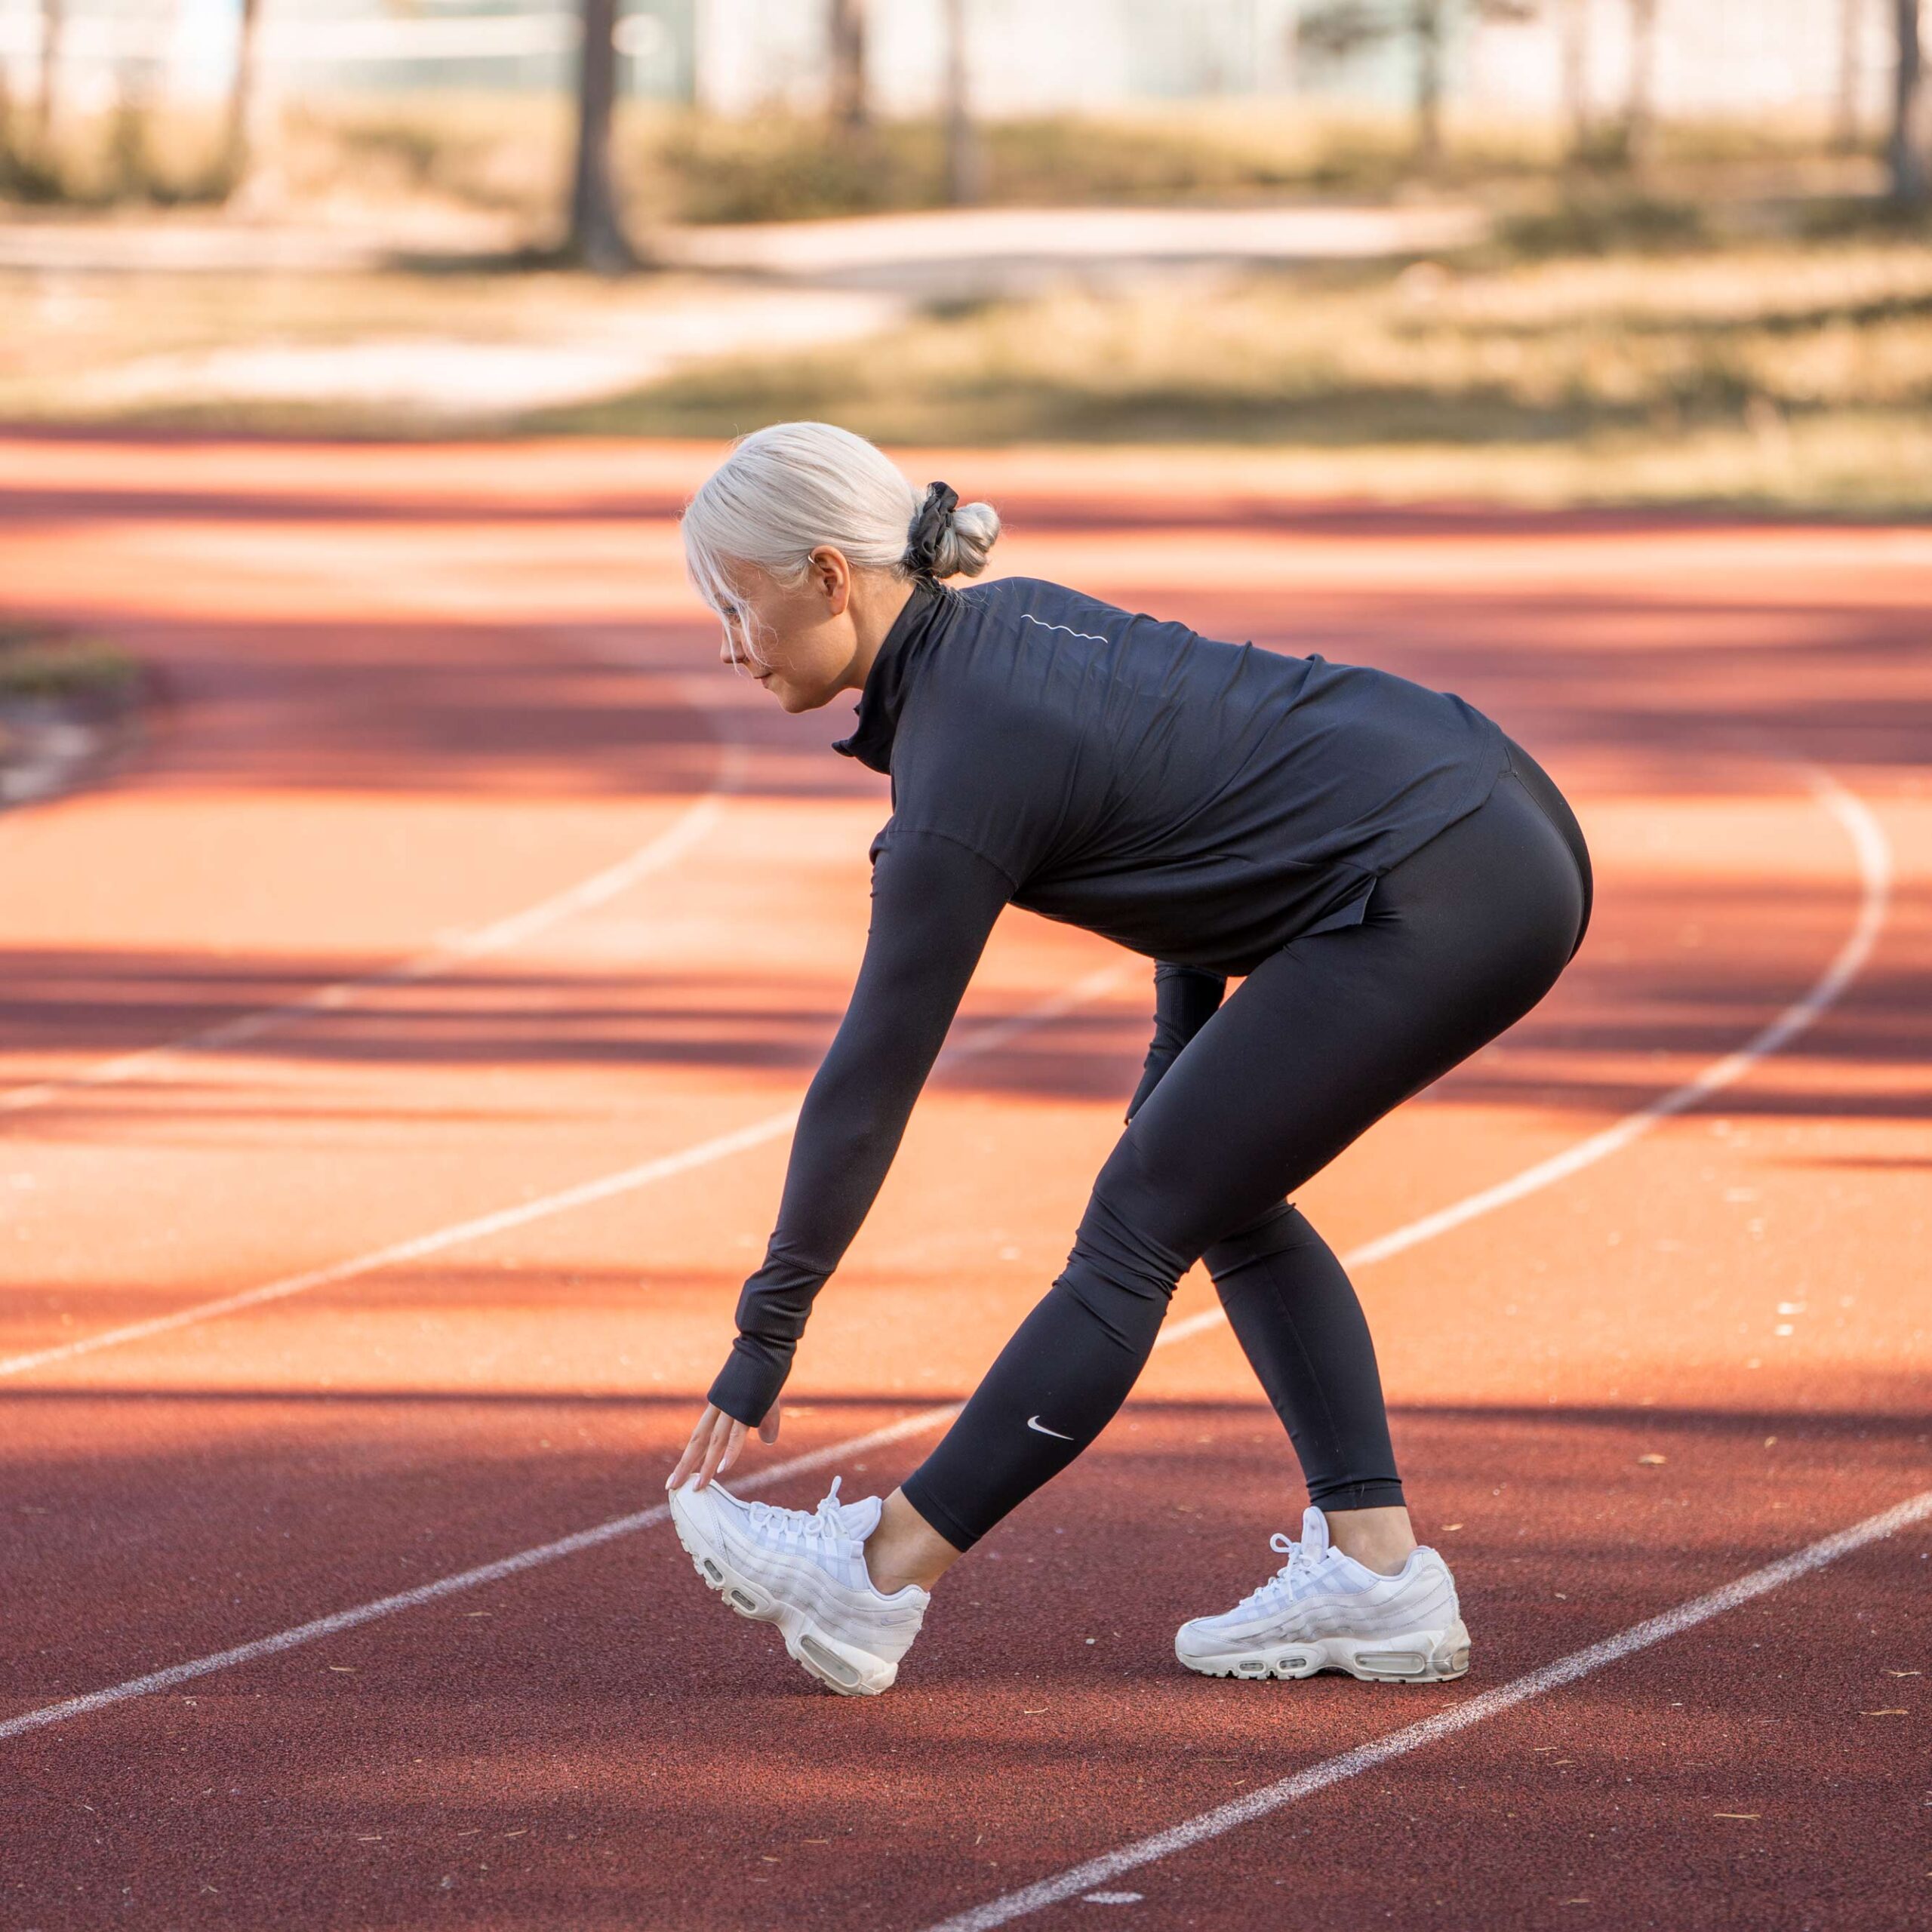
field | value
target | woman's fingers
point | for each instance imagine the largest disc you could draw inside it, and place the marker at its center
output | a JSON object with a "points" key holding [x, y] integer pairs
{"points": [[695, 1449], [715, 1444], [726, 1434]]}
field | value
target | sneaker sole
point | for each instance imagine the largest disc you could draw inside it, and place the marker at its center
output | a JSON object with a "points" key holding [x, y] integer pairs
{"points": [[1418, 1656], [841, 1667]]}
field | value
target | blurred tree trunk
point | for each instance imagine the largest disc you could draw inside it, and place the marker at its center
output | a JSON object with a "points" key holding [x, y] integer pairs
{"points": [[597, 237], [1851, 24], [53, 20], [244, 96], [1576, 76], [965, 157], [253, 157], [1427, 26], [849, 107], [1909, 111], [1908, 152], [1640, 103]]}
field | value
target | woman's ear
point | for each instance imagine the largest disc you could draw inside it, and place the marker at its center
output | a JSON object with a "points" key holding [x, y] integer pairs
{"points": [[833, 575]]}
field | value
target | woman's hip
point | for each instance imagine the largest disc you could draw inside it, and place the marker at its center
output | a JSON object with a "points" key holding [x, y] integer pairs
{"points": [[1543, 790], [1505, 889]]}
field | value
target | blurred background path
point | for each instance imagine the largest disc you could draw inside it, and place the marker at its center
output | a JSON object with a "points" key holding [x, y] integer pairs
{"points": [[762, 289]]}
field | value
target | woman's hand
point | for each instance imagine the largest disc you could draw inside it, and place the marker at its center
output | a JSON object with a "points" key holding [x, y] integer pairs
{"points": [[715, 1442]]}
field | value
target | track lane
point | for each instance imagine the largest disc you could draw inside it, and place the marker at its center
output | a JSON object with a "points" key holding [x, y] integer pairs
{"points": [[599, 1727]]}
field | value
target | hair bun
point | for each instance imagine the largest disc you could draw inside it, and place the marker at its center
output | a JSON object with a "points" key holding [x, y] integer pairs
{"points": [[948, 538], [930, 524]]}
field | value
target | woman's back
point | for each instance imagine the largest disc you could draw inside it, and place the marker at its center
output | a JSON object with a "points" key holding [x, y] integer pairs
{"points": [[1194, 800]]}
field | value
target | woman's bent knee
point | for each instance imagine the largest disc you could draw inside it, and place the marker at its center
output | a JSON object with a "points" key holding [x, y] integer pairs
{"points": [[1282, 1226], [1123, 1274]]}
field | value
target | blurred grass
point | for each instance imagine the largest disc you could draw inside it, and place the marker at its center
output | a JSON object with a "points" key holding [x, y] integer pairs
{"points": [[510, 154], [133, 154], [44, 664], [675, 164], [1742, 323], [776, 168], [1772, 372]]}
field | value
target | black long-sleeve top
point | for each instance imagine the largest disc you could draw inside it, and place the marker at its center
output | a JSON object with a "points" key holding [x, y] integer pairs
{"points": [[1200, 802]]}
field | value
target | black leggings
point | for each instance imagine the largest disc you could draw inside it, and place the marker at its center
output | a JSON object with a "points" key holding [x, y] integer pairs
{"points": [[1460, 940]]}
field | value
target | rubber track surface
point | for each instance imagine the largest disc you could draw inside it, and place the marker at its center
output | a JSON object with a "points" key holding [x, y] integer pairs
{"points": [[411, 694]]}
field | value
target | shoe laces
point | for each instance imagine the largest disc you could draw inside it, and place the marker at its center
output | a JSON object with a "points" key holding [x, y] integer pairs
{"points": [[1300, 1563], [809, 1532]]}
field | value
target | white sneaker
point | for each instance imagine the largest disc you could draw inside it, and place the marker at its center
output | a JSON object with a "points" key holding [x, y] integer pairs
{"points": [[1322, 1610], [805, 1571]]}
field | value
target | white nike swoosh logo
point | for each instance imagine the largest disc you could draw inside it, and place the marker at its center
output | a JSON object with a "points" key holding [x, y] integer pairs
{"points": [[1034, 1421]]}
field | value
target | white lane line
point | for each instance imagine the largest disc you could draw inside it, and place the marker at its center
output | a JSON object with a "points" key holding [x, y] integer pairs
{"points": [[443, 1587], [1445, 1724], [605, 1187], [1875, 863], [1872, 853], [662, 850]]}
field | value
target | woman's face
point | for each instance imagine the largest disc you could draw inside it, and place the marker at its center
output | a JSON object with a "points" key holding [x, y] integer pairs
{"points": [[800, 643]]}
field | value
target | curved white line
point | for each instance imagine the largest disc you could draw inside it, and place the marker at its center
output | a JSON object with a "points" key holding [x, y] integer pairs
{"points": [[1271, 1797], [661, 850], [1874, 866]]}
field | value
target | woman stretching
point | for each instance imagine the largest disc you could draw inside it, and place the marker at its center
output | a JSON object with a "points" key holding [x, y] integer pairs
{"points": [[1392, 879]]}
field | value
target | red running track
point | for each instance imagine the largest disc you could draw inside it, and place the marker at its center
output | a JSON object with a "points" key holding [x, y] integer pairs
{"points": [[398, 1059]]}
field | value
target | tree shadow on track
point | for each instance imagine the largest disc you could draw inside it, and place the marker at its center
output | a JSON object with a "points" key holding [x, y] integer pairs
{"points": [[1665, 683], [596, 1742], [1895, 1417], [1698, 697], [1667, 982], [456, 709], [1093, 509]]}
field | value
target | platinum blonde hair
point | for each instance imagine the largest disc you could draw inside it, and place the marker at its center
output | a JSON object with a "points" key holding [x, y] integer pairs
{"points": [[786, 489]]}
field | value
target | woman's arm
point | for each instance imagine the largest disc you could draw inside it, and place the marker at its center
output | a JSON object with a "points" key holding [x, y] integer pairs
{"points": [[934, 902], [1185, 997]]}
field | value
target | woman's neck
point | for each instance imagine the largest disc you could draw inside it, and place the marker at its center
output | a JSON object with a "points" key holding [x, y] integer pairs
{"points": [[874, 614]]}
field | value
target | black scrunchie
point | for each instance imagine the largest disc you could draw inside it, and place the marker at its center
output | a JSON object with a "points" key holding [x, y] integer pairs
{"points": [[928, 528]]}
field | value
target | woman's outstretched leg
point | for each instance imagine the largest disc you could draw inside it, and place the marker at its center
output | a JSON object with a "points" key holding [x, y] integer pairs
{"points": [[1051, 1390]]}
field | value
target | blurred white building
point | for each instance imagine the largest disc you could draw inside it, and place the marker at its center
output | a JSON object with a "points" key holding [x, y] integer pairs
{"points": [[1026, 56]]}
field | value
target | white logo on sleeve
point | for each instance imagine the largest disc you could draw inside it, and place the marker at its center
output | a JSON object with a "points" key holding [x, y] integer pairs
{"points": [[1034, 1423]]}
